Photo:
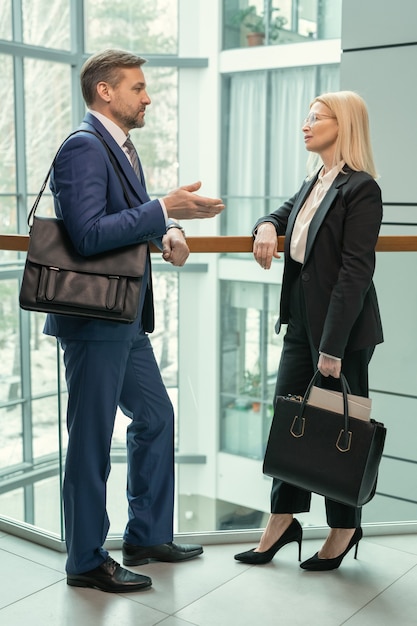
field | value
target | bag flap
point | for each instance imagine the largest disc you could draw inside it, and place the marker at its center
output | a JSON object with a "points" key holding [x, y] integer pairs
{"points": [[50, 245]]}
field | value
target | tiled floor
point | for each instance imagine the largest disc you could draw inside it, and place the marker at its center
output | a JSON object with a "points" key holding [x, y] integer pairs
{"points": [[380, 588]]}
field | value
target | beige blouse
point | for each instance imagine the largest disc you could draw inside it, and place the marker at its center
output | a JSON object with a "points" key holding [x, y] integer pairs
{"points": [[307, 212]]}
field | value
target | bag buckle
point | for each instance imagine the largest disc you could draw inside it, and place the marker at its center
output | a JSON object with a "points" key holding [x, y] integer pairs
{"points": [[299, 431], [347, 438]]}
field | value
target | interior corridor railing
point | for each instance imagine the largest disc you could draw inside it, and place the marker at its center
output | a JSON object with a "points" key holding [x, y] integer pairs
{"points": [[386, 243]]}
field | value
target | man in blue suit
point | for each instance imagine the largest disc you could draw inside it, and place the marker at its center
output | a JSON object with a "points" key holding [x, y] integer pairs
{"points": [[109, 364]]}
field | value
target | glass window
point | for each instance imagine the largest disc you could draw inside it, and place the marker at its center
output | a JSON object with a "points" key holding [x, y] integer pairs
{"points": [[48, 116], [165, 338], [47, 504], [29, 423], [246, 152], [329, 19], [29, 416], [149, 26], [265, 159], [43, 359], [291, 93], [10, 363], [6, 20], [8, 226], [282, 22], [47, 23], [250, 353], [8, 209], [302, 18], [157, 142], [32, 381]]}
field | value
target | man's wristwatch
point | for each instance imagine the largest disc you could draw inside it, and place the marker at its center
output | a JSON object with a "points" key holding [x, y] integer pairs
{"points": [[176, 226]]}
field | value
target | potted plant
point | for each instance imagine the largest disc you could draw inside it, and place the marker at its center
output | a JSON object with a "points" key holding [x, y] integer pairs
{"points": [[255, 24]]}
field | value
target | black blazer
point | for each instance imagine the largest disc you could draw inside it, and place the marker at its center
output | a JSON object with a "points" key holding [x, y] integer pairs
{"points": [[339, 263]]}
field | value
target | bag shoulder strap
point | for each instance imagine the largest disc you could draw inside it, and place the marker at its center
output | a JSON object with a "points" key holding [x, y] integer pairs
{"points": [[112, 160]]}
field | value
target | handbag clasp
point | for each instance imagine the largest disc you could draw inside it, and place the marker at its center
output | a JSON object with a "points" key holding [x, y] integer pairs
{"points": [[346, 438], [300, 423]]}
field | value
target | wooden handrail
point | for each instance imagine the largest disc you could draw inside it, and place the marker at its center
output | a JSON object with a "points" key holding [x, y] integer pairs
{"points": [[386, 243]]}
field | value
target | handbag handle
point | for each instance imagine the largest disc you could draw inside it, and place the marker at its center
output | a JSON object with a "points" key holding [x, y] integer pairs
{"points": [[112, 160], [345, 435]]}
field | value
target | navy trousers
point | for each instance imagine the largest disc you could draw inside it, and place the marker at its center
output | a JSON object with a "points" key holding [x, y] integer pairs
{"points": [[102, 375], [298, 363]]}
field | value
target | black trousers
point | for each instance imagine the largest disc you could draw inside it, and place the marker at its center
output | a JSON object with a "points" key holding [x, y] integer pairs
{"points": [[298, 363]]}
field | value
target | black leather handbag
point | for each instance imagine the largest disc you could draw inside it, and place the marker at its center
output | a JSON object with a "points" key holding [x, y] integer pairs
{"points": [[334, 455], [56, 279]]}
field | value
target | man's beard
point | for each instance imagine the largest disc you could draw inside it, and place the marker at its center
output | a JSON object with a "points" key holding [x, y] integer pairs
{"points": [[129, 121]]}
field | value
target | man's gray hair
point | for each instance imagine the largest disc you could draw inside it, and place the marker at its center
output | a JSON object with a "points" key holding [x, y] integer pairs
{"points": [[105, 66]]}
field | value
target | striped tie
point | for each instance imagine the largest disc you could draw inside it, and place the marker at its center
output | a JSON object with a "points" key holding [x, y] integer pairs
{"points": [[134, 159]]}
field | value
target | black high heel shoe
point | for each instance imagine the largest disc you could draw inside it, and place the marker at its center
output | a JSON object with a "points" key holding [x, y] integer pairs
{"points": [[315, 564], [294, 532]]}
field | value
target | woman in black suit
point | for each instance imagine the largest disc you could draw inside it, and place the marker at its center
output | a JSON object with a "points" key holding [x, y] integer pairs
{"points": [[328, 299]]}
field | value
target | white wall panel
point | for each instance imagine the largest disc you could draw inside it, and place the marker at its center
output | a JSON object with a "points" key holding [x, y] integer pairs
{"points": [[379, 43], [393, 367], [378, 22], [385, 79], [398, 415], [395, 214], [398, 478]]}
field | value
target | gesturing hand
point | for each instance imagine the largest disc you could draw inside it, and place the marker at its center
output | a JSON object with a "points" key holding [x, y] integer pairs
{"points": [[184, 204]]}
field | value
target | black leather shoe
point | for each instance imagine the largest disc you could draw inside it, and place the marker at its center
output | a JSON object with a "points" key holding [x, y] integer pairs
{"points": [[166, 552], [111, 577]]}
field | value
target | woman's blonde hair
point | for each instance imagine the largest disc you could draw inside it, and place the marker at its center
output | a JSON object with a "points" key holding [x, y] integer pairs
{"points": [[353, 144]]}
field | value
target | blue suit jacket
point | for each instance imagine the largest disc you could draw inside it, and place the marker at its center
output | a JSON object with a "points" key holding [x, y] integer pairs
{"points": [[89, 198]]}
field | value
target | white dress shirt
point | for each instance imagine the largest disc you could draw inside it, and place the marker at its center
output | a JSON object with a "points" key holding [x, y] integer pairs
{"points": [[119, 136]]}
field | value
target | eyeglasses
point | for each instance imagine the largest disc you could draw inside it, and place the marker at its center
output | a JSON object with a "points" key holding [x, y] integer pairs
{"points": [[313, 117]]}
